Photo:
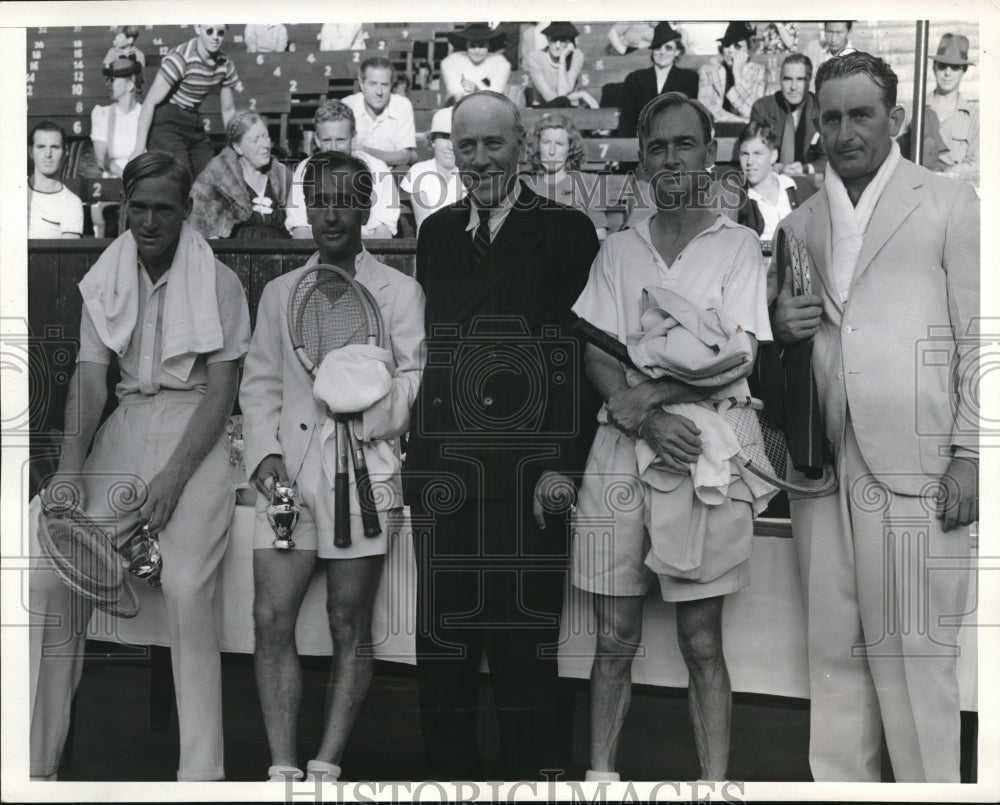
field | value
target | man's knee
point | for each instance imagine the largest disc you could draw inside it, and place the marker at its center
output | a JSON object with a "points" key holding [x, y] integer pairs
{"points": [[619, 626], [349, 622], [701, 646], [273, 622]]}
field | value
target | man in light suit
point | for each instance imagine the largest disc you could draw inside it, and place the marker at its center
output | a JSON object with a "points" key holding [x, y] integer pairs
{"points": [[284, 429], [790, 113], [894, 251]]}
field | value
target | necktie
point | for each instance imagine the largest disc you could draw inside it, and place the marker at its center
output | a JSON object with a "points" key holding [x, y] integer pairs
{"points": [[786, 154], [481, 238]]}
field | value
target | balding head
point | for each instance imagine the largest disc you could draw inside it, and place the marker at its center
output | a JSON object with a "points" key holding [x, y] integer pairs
{"points": [[487, 135]]}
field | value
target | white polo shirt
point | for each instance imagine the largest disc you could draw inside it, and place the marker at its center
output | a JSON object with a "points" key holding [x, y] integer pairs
{"points": [[392, 130]]}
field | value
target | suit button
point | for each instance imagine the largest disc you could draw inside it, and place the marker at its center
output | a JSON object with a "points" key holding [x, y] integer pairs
{"points": [[848, 328], [487, 401], [436, 401], [302, 426], [840, 375]]}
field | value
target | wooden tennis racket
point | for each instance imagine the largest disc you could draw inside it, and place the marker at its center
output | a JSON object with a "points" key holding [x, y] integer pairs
{"points": [[328, 309]]}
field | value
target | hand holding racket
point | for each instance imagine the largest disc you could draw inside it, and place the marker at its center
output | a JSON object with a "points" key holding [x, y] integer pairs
{"points": [[327, 310], [797, 311], [762, 447]]}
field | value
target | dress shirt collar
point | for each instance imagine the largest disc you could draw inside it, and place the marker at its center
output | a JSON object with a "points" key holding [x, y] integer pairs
{"points": [[497, 215]]}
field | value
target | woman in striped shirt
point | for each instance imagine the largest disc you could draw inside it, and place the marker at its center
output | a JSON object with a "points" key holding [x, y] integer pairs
{"points": [[170, 119]]}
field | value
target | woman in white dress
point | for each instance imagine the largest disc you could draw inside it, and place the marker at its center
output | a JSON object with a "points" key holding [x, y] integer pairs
{"points": [[113, 127]]}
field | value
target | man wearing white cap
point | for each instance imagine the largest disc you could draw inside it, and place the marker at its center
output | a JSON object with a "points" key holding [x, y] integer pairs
{"points": [[285, 428], [436, 182]]}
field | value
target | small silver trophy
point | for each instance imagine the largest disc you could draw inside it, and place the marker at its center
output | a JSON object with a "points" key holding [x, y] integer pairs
{"points": [[283, 514], [142, 556]]}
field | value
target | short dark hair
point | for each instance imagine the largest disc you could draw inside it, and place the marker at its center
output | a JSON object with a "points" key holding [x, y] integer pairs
{"points": [[668, 100], [860, 63], [153, 164], [333, 161], [754, 130], [46, 125], [848, 23], [377, 63], [799, 58]]}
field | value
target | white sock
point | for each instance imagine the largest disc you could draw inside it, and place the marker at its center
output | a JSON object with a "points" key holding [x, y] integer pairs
{"points": [[595, 776]]}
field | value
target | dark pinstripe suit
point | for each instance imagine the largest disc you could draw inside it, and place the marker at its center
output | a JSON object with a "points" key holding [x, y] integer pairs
{"points": [[503, 397]]}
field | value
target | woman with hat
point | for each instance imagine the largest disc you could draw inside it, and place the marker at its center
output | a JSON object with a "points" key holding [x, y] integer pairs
{"points": [[641, 86], [471, 67], [729, 88], [958, 117], [113, 127], [555, 70], [434, 183]]}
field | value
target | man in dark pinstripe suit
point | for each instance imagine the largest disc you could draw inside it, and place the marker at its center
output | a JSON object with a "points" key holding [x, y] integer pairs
{"points": [[502, 414]]}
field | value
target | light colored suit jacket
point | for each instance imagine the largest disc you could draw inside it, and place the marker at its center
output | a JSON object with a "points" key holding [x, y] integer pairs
{"points": [[712, 89], [901, 351], [280, 415]]}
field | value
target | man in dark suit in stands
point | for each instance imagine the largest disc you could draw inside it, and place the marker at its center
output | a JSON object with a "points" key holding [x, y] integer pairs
{"points": [[664, 76], [498, 423], [790, 113]]}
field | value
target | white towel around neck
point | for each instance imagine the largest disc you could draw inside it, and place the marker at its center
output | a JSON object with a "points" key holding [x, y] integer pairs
{"points": [[848, 222]]}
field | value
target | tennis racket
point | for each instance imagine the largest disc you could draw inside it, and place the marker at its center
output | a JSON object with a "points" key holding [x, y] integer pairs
{"points": [[327, 310], [84, 558], [763, 449]]}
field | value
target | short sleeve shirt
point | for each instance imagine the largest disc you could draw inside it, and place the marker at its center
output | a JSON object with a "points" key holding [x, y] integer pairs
{"points": [[52, 215], [721, 268], [142, 364], [392, 130], [120, 138], [193, 77]]}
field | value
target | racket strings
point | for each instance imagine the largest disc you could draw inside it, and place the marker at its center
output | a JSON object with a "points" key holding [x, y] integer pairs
{"points": [[83, 554], [329, 315]]}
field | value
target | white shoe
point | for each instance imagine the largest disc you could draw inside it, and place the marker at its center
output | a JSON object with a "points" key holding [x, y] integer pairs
{"points": [[279, 774], [324, 772], [595, 776]]}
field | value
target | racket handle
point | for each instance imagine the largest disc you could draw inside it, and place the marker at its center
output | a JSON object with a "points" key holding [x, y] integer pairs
{"points": [[342, 513], [363, 483]]}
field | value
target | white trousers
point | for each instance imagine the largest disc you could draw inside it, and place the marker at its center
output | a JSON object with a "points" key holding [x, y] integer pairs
{"points": [[137, 440], [885, 588]]}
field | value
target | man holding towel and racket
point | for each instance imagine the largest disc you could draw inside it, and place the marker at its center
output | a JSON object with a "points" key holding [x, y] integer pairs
{"points": [[894, 254], [176, 322], [292, 440], [634, 522]]}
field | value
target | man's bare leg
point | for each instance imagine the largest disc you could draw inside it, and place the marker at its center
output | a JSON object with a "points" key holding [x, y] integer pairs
{"points": [[350, 594], [281, 579], [699, 635], [619, 629]]}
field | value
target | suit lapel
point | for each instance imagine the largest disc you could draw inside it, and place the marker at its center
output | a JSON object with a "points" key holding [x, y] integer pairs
{"points": [[897, 202]]}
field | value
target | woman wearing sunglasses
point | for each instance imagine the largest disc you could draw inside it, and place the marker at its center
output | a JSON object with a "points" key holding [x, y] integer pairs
{"points": [[170, 120]]}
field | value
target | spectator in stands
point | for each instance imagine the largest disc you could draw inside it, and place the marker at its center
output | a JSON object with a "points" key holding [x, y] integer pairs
{"points": [[728, 89], [779, 38], [401, 85], [334, 130], [471, 67], [790, 113], [628, 37], [265, 38], [436, 182], [54, 211], [113, 127], [838, 43], [958, 117], [531, 40], [384, 120], [243, 191], [770, 195], [641, 86], [555, 152], [555, 70], [124, 47], [170, 119], [342, 36]]}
